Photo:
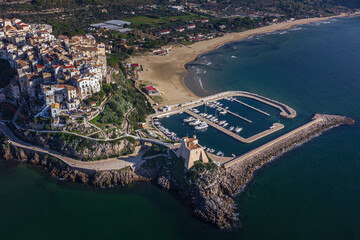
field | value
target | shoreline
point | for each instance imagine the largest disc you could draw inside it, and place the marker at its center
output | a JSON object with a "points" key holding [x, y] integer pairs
{"points": [[210, 197], [168, 72]]}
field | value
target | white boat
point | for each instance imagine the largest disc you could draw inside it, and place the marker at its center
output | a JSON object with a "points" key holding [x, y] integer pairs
{"points": [[237, 129], [201, 126], [212, 150], [225, 124], [196, 111], [219, 153], [231, 128], [222, 122], [223, 112], [157, 123], [196, 122], [209, 116], [189, 119]]}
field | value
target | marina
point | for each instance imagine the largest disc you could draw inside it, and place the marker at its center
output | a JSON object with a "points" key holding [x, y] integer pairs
{"points": [[276, 127], [236, 116]]}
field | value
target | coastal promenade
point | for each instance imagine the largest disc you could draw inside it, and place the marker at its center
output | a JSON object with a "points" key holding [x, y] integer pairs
{"points": [[277, 127], [134, 159]]}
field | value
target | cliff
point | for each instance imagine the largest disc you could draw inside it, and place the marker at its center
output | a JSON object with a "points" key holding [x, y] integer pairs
{"points": [[59, 170], [79, 147], [207, 188]]}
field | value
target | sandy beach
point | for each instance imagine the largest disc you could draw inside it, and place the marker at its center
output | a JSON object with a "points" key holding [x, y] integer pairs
{"points": [[167, 72]]}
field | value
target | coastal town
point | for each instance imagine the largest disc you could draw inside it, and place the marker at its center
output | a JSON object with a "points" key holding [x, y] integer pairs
{"points": [[109, 107], [60, 72]]}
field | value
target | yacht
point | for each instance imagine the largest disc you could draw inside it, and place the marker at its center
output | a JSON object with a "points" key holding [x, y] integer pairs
{"points": [[196, 122], [222, 122], [237, 129], [201, 126], [189, 119]]}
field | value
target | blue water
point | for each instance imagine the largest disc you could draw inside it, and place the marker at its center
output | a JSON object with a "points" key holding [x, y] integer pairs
{"points": [[312, 192]]}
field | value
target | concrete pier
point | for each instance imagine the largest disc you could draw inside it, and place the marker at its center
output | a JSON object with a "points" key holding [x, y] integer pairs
{"points": [[236, 115], [254, 108], [277, 127]]}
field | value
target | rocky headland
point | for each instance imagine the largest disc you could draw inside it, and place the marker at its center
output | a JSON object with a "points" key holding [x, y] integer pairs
{"points": [[207, 188]]}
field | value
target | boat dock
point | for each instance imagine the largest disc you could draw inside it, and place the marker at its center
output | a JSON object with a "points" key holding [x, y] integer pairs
{"points": [[249, 106], [236, 115], [277, 127]]}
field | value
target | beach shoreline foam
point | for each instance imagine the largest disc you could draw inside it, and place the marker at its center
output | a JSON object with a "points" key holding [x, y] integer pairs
{"points": [[168, 72]]}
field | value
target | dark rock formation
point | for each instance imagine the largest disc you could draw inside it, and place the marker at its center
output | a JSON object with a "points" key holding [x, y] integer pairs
{"points": [[207, 189], [164, 183], [116, 178]]}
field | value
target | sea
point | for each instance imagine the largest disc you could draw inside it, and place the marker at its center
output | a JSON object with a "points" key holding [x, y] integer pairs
{"points": [[310, 192]]}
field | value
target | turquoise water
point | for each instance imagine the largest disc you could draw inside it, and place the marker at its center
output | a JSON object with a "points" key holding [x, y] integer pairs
{"points": [[312, 192]]}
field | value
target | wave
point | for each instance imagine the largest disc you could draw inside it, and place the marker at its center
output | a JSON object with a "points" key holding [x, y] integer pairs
{"points": [[296, 29]]}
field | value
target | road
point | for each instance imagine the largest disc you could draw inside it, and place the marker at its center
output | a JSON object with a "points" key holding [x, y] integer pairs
{"points": [[100, 165]]}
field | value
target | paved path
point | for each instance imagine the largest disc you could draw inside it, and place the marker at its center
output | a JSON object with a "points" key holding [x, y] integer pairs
{"points": [[127, 119], [249, 106], [236, 115], [99, 165]]}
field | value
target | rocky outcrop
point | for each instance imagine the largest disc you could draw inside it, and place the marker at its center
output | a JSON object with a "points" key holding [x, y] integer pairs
{"points": [[117, 178], [207, 189], [217, 206], [58, 169], [164, 183]]}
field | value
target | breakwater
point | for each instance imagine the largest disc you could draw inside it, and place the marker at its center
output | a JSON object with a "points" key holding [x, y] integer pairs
{"points": [[238, 172], [207, 190]]}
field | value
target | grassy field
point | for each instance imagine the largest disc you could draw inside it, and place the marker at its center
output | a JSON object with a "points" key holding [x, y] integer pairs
{"points": [[154, 21]]}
